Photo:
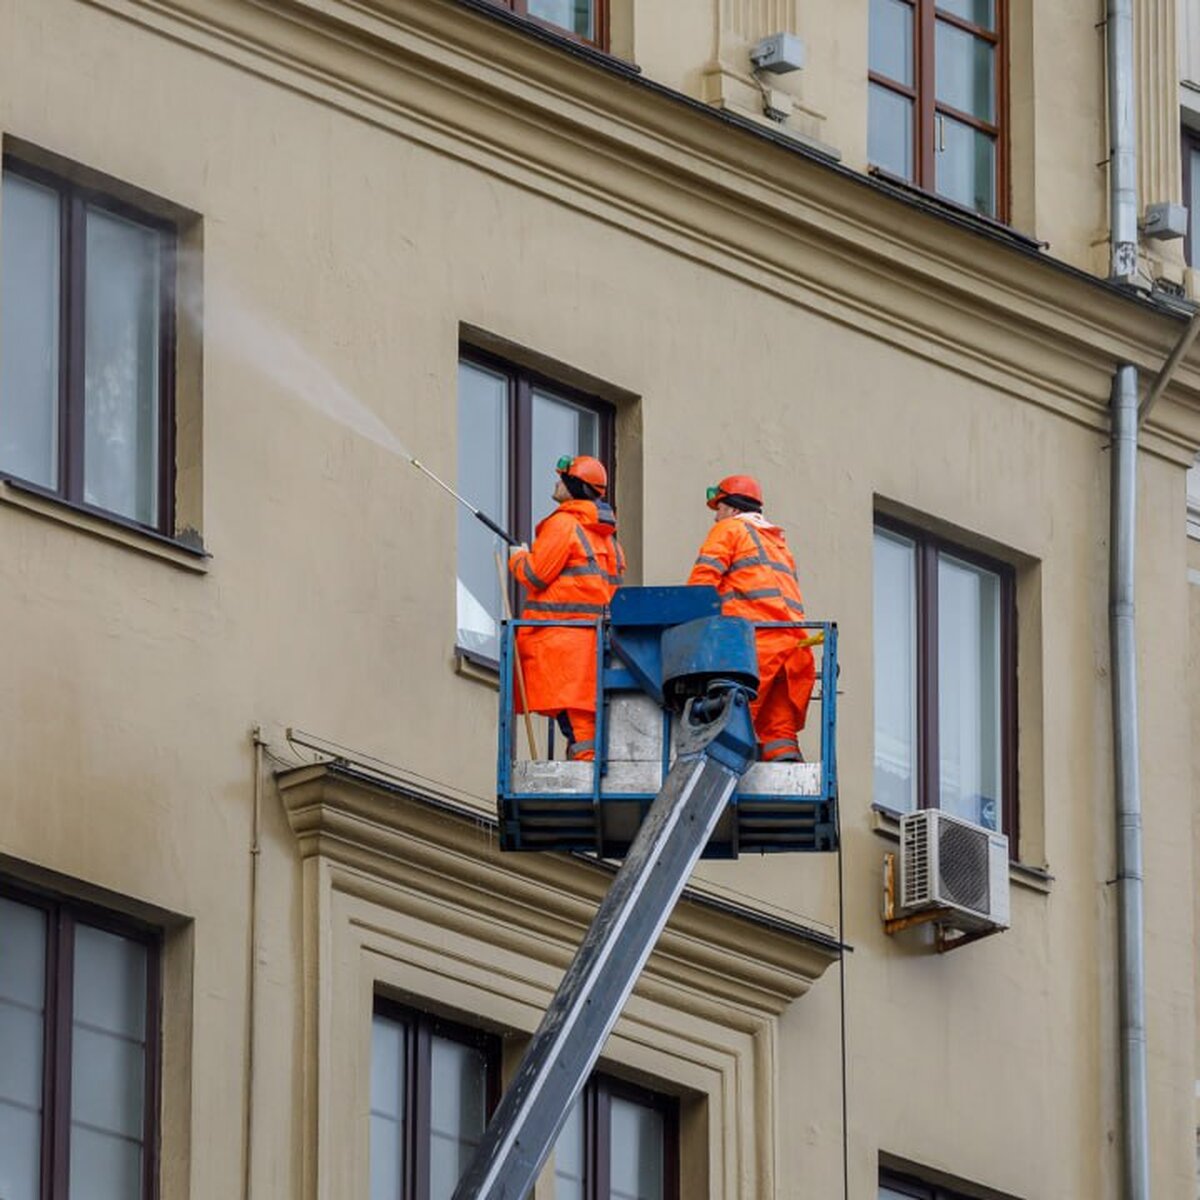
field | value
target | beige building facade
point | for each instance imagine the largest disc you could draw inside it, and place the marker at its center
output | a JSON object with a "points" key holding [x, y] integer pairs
{"points": [[256, 254]]}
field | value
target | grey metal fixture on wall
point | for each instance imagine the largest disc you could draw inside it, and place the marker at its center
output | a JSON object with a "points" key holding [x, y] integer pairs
{"points": [[1123, 216]]}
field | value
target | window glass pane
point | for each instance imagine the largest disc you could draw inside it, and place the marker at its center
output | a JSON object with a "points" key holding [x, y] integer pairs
{"points": [[22, 1016], [890, 131], [104, 1167], [969, 691], [458, 1111], [1193, 165], [636, 1151], [29, 346], [891, 40], [483, 456], [895, 672], [576, 15], [559, 427], [966, 169], [978, 12], [110, 983], [388, 1068], [568, 1156], [965, 72], [121, 366], [108, 1064]]}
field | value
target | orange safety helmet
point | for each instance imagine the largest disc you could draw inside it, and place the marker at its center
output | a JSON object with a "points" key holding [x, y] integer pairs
{"points": [[735, 485], [584, 466]]}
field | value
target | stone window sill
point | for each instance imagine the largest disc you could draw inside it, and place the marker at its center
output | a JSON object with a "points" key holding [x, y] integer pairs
{"points": [[186, 555]]}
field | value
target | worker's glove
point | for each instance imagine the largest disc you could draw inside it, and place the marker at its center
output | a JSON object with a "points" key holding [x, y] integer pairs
{"points": [[513, 551]]}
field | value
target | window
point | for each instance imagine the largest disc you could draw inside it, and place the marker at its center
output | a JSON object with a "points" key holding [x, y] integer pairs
{"points": [[86, 347], [945, 679], [78, 1053], [586, 20], [512, 428], [433, 1087], [937, 85], [619, 1142], [904, 1187], [1191, 193]]}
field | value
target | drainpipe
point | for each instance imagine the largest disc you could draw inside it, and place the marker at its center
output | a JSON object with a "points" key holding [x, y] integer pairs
{"points": [[1123, 214], [1122, 638], [1122, 143]]}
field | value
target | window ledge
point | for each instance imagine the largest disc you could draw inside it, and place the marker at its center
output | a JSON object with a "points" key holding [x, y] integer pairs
{"points": [[886, 823], [31, 499], [476, 667]]}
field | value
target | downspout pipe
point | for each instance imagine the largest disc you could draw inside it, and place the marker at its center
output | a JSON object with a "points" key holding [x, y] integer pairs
{"points": [[1122, 143], [1130, 919], [1123, 216]]}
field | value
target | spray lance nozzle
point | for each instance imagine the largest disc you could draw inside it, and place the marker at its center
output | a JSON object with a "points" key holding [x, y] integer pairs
{"points": [[475, 512]]}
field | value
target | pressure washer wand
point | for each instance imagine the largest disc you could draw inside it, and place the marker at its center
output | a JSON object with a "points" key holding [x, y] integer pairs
{"points": [[481, 516]]}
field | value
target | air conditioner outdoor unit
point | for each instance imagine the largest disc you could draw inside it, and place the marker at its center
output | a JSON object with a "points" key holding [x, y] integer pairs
{"points": [[949, 863]]}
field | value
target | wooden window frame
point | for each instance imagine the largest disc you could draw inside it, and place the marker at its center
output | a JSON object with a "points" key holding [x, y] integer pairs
{"points": [[74, 200], [596, 1099], [521, 384], [1189, 145], [927, 108], [927, 547], [62, 917], [600, 41], [419, 1030]]}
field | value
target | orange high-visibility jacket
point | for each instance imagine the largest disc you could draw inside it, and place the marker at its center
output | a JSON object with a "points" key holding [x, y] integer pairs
{"points": [[746, 558], [570, 573]]}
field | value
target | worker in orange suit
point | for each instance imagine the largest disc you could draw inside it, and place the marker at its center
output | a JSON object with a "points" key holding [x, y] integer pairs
{"points": [[570, 573], [746, 558]]}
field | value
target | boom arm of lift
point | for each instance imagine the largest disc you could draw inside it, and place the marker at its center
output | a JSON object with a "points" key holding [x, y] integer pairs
{"points": [[716, 748]]}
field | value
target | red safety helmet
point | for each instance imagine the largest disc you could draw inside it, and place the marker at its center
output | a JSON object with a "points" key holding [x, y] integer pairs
{"points": [[735, 485], [584, 466]]}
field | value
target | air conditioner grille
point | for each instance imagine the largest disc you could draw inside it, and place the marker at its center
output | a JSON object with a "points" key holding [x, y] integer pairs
{"points": [[963, 862], [915, 885]]}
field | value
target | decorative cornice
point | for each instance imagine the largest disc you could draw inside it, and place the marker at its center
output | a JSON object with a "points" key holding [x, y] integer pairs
{"points": [[437, 859], [667, 169]]}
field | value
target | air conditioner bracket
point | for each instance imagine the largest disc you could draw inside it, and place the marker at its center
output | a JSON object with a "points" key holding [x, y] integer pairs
{"points": [[940, 918]]}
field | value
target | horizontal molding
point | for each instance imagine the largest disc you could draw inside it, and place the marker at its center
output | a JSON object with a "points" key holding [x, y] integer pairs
{"points": [[630, 154], [443, 863]]}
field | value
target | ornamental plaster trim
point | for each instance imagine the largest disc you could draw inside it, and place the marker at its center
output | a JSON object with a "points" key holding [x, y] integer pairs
{"points": [[471, 88], [414, 901]]}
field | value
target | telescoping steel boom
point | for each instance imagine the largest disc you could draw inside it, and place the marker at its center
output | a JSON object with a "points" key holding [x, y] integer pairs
{"points": [[716, 748]]}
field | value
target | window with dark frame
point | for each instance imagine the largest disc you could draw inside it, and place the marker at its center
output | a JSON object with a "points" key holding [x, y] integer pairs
{"points": [[583, 20], [937, 98], [79, 1072], [945, 679], [1191, 193], [620, 1142], [513, 425], [905, 1187], [87, 328], [434, 1084]]}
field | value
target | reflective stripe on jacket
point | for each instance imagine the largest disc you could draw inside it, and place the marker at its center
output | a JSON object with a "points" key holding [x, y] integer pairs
{"points": [[752, 568], [570, 573], [746, 558]]}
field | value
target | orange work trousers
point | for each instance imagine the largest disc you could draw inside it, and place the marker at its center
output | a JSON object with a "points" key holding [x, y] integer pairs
{"points": [[579, 728], [781, 706]]}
